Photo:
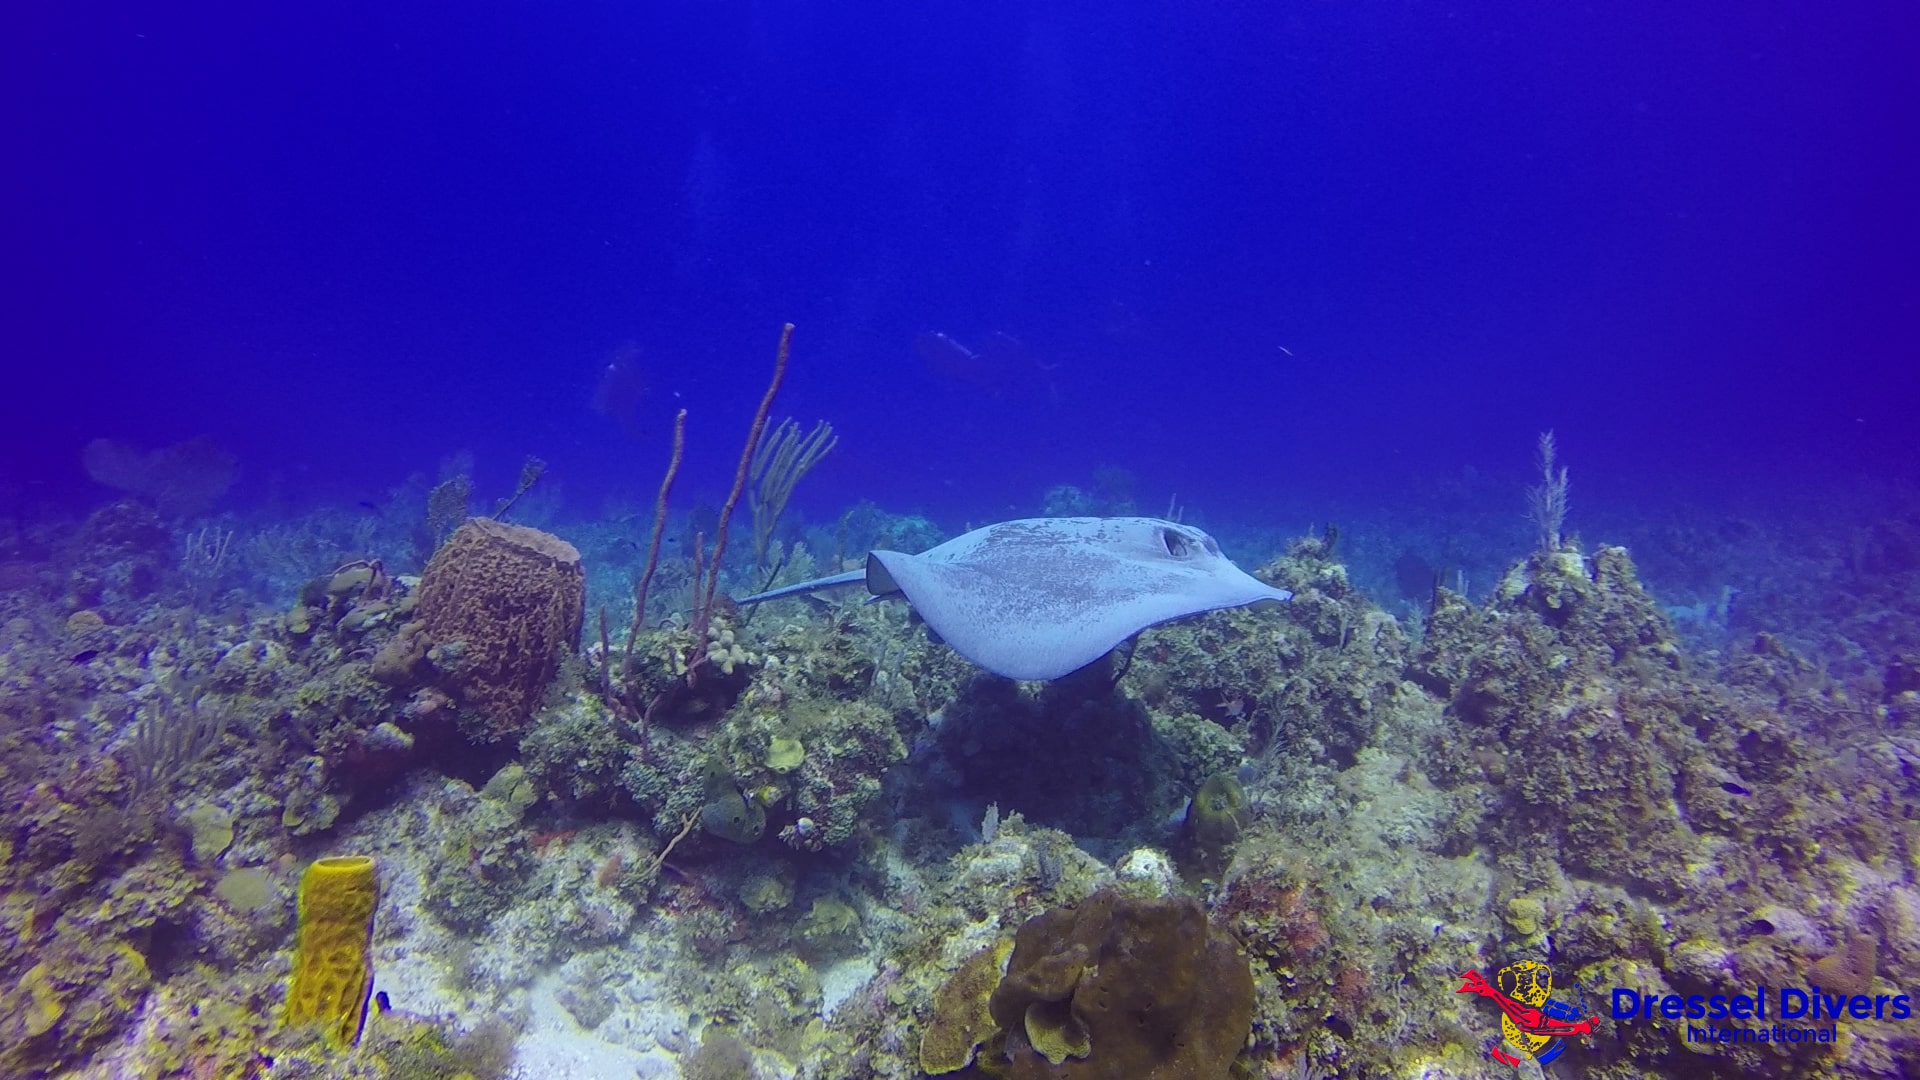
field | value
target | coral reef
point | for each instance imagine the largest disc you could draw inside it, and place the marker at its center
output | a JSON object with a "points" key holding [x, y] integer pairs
{"points": [[802, 841]]}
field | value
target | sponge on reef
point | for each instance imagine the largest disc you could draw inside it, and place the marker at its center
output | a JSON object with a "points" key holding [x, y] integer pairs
{"points": [[513, 598], [332, 961]]}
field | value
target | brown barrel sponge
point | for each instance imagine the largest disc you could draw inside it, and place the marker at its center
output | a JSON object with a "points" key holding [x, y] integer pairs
{"points": [[502, 604]]}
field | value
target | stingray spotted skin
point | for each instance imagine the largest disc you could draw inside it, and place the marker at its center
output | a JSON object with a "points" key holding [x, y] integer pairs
{"points": [[1039, 598]]}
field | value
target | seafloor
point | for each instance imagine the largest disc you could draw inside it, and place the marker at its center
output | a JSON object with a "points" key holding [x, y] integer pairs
{"points": [[795, 840]]}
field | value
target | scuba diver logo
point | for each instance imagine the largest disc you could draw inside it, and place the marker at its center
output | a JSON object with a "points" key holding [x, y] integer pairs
{"points": [[1532, 1021]]}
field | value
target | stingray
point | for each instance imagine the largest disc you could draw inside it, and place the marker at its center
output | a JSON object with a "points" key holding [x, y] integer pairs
{"points": [[1040, 598]]}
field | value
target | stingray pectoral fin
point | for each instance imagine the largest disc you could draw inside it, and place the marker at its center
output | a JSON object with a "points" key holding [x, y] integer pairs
{"points": [[972, 610], [878, 578]]}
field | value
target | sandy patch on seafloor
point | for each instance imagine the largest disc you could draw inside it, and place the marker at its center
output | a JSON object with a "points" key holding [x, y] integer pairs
{"points": [[551, 1046], [411, 965]]}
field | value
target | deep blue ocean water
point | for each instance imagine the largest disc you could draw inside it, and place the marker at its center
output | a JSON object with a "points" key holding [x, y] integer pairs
{"points": [[1275, 260]]}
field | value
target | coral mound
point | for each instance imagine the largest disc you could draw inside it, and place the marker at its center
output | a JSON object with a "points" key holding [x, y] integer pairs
{"points": [[1123, 989], [512, 598]]}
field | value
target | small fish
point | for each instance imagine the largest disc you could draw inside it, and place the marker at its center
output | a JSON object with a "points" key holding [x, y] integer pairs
{"points": [[946, 356], [622, 389], [83, 656], [1002, 367]]}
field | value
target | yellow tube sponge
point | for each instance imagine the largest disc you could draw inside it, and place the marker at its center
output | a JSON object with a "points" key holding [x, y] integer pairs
{"points": [[332, 961]]}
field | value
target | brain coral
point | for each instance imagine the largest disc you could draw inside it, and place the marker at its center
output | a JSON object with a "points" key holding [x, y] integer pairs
{"points": [[513, 598], [1124, 989]]}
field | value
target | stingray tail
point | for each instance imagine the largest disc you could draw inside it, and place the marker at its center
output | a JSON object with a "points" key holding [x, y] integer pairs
{"points": [[851, 577]]}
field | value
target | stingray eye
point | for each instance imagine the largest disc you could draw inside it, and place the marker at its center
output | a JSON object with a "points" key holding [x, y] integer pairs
{"points": [[1175, 543], [1212, 547]]}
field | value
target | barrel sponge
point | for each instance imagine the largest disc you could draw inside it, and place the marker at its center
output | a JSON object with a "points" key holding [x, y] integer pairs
{"points": [[513, 599], [332, 965], [1121, 988]]}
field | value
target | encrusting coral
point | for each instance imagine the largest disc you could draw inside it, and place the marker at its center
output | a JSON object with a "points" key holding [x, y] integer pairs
{"points": [[961, 1021]]}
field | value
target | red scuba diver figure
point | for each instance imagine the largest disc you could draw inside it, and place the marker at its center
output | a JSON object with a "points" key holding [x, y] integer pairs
{"points": [[1532, 1020]]}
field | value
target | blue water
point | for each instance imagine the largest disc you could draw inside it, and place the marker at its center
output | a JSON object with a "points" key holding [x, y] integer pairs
{"points": [[1257, 255]]}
